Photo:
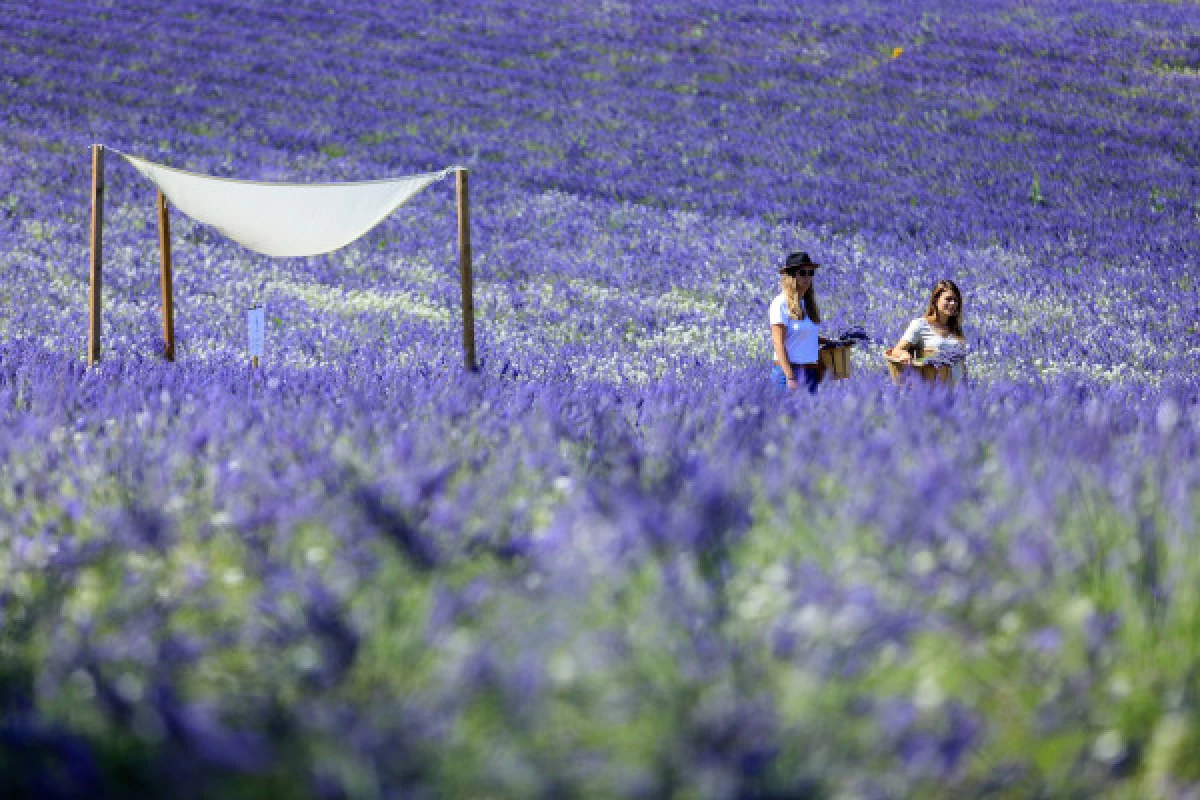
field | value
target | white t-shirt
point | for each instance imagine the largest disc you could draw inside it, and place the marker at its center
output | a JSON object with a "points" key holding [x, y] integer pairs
{"points": [[920, 332], [800, 341]]}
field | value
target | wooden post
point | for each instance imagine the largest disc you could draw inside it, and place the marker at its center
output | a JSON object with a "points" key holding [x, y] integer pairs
{"points": [[464, 265], [168, 304], [97, 284]]}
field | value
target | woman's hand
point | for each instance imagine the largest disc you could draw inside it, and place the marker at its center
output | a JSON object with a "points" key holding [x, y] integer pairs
{"points": [[900, 354], [792, 385]]}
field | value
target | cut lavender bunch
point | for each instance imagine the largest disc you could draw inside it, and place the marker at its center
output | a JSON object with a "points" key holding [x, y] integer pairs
{"points": [[849, 337], [948, 356]]}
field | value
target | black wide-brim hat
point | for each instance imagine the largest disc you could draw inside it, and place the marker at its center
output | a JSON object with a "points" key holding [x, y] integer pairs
{"points": [[797, 260]]}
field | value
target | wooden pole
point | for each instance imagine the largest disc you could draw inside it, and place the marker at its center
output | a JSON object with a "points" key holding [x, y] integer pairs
{"points": [[97, 284], [464, 265], [168, 305]]}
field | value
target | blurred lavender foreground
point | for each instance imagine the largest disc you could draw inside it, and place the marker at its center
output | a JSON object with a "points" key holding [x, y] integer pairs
{"points": [[615, 562]]}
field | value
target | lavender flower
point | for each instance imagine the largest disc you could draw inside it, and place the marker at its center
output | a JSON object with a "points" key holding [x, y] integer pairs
{"points": [[357, 572], [948, 356]]}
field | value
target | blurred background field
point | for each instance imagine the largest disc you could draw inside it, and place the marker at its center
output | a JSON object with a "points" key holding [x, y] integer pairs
{"points": [[614, 562]]}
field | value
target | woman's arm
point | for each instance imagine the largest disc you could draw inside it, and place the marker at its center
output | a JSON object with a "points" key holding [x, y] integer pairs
{"points": [[777, 336], [907, 345]]}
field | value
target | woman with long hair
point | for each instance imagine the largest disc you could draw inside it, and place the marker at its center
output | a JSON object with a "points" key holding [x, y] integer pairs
{"points": [[795, 325], [937, 330]]}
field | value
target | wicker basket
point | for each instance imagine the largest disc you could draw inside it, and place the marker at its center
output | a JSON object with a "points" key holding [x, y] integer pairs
{"points": [[936, 374], [836, 359], [901, 371], [896, 368]]}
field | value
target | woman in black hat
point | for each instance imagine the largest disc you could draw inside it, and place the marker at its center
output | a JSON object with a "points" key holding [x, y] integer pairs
{"points": [[795, 321]]}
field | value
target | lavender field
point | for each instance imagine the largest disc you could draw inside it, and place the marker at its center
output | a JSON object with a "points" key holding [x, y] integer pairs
{"points": [[615, 561]]}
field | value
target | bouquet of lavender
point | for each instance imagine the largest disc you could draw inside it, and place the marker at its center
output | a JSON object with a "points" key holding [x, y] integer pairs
{"points": [[849, 336], [948, 356]]}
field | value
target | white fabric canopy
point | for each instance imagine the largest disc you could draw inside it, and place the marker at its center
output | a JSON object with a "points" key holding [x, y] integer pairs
{"points": [[284, 219]]}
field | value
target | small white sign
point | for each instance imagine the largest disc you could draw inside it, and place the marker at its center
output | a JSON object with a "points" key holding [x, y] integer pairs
{"points": [[255, 322]]}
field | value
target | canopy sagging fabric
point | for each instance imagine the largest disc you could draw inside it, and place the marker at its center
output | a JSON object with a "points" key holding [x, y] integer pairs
{"points": [[284, 219]]}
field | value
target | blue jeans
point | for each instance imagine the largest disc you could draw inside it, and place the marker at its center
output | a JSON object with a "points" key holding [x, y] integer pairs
{"points": [[808, 378]]}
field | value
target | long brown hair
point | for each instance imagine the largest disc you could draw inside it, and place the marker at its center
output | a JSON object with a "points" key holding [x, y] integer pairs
{"points": [[791, 293], [940, 288]]}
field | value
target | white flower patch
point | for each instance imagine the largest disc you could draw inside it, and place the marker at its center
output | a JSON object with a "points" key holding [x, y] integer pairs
{"points": [[362, 301]]}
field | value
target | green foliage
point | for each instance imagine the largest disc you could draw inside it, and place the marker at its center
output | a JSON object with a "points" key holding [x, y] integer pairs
{"points": [[1035, 191]]}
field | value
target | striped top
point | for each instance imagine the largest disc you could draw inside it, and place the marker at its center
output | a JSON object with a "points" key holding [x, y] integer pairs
{"points": [[922, 334]]}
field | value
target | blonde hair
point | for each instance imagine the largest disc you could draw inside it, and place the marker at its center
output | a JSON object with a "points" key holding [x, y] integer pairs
{"points": [[791, 293], [940, 288]]}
